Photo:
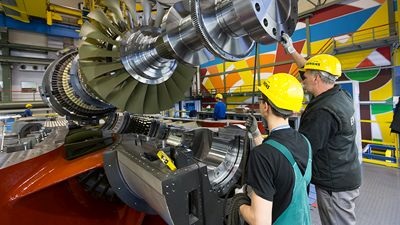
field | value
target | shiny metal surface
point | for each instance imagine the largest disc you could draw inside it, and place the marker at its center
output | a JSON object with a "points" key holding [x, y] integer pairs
{"points": [[174, 140], [222, 158], [226, 28], [146, 64], [168, 2], [120, 62], [181, 37], [265, 21], [222, 176], [141, 60], [53, 141], [212, 24]]}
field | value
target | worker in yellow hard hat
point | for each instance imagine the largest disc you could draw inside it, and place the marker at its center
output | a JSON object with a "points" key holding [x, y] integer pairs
{"points": [[27, 111], [219, 108], [328, 122], [279, 167]]}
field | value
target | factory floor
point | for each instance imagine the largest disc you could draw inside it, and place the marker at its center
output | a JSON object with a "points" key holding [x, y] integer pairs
{"points": [[379, 199]]}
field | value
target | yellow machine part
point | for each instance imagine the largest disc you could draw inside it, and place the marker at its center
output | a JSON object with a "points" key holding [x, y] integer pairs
{"points": [[166, 160]]}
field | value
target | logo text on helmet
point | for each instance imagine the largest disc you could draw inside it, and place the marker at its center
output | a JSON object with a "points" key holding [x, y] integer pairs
{"points": [[313, 63], [266, 84]]}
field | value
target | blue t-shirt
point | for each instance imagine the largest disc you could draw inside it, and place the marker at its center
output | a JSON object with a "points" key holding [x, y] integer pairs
{"points": [[219, 111]]}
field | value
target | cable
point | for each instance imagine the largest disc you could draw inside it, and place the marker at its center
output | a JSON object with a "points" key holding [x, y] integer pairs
{"points": [[254, 78], [246, 137], [233, 217]]}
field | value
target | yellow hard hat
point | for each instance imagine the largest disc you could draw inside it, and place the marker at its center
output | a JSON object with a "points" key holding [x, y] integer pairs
{"points": [[219, 96], [324, 62], [28, 105], [284, 91]]}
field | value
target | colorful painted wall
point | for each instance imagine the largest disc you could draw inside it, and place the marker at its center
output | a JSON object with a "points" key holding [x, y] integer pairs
{"points": [[340, 25]]}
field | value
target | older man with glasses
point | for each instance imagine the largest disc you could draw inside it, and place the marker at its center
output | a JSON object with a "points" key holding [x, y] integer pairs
{"points": [[328, 122]]}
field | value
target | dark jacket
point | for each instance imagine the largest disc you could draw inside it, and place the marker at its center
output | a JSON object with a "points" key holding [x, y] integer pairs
{"points": [[328, 122], [395, 126]]}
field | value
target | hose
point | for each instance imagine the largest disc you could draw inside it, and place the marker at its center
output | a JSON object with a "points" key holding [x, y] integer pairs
{"points": [[233, 217]]}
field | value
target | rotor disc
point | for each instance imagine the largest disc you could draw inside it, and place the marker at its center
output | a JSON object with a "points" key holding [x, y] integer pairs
{"points": [[119, 62]]}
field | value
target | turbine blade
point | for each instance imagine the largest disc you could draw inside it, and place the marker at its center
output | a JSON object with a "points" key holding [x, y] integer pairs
{"points": [[102, 18], [113, 6], [90, 51], [146, 12], [132, 10], [151, 100], [160, 15], [137, 100], [106, 84], [92, 70], [121, 96], [90, 31], [164, 100]]}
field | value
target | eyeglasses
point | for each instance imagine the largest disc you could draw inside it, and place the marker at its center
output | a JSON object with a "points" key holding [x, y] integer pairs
{"points": [[260, 99], [302, 75]]}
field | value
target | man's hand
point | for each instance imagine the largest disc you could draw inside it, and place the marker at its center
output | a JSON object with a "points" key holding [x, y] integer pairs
{"points": [[252, 126], [287, 44]]}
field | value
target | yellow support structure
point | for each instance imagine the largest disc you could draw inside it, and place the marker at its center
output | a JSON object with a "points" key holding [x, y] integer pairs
{"points": [[65, 10], [387, 153], [17, 11], [49, 19], [397, 151], [382, 163], [56, 10]]}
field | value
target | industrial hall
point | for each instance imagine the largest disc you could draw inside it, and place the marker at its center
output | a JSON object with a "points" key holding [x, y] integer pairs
{"points": [[199, 112]]}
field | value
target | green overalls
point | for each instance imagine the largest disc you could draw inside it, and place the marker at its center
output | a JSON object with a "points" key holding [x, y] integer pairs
{"points": [[298, 211]]}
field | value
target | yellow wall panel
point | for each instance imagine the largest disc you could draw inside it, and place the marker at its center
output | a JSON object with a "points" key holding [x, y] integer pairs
{"points": [[207, 84], [351, 60], [382, 93], [384, 124]]}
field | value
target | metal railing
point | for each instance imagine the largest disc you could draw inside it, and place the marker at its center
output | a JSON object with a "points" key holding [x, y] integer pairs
{"points": [[240, 89], [328, 47], [365, 35], [381, 32]]}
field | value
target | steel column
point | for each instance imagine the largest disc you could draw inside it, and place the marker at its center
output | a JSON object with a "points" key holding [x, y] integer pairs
{"points": [[5, 69]]}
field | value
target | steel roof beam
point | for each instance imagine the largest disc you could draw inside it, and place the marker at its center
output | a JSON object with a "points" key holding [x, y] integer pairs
{"points": [[29, 60]]}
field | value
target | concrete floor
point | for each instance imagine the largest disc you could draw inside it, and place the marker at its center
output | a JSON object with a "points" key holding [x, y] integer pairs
{"points": [[379, 201]]}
